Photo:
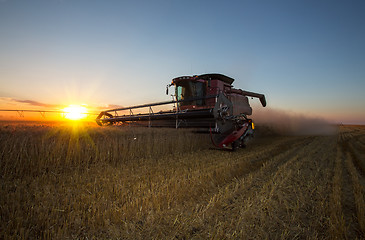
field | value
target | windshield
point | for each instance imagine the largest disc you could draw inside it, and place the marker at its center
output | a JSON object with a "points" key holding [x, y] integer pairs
{"points": [[188, 90]]}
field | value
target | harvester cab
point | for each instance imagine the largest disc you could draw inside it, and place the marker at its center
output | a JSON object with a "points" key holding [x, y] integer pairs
{"points": [[206, 101]]}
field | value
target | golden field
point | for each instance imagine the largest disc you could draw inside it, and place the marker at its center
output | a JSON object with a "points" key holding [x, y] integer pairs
{"points": [[86, 182]]}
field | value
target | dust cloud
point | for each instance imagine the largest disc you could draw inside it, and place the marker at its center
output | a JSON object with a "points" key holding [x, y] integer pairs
{"points": [[288, 123]]}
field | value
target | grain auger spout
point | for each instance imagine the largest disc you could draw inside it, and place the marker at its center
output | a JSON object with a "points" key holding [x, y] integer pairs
{"points": [[251, 94], [206, 102]]}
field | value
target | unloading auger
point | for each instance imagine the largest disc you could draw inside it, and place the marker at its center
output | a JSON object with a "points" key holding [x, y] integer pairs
{"points": [[206, 102]]}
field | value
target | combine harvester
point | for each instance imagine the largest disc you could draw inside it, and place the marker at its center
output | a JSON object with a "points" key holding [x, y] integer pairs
{"points": [[206, 102]]}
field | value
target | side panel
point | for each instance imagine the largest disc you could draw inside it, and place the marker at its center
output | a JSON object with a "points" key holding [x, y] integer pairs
{"points": [[240, 104]]}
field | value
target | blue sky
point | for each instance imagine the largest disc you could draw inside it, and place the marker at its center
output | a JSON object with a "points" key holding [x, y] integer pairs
{"points": [[305, 56]]}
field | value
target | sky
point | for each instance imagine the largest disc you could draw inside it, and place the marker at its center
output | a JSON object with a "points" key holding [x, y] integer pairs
{"points": [[307, 57]]}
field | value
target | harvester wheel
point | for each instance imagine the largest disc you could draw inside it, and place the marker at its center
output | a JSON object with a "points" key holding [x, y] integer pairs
{"points": [[101, 121], [235, 145]]}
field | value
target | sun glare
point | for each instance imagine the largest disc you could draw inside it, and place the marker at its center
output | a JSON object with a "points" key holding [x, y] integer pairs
{"points": [[75, 112]]}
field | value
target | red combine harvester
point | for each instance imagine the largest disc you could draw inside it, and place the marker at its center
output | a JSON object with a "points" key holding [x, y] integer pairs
{"points": [[206, 102]]}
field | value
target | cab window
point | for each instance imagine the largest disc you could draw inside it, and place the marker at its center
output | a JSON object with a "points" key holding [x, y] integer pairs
{"points": [[190, 89]]}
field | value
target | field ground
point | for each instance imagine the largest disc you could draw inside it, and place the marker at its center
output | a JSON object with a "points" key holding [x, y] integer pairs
{"points": [[91, 183]]}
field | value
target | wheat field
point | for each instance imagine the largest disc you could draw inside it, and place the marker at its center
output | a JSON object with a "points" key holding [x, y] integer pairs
{"points": [[86, 182]]}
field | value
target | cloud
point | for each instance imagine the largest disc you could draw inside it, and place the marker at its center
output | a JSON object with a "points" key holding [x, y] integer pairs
{"points": [[29, 102], [109, 106], [34, 103], [113, 106], [14, 104]]}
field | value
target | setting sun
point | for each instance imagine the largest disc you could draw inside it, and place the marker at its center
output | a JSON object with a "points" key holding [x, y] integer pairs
{"points": [[75, 112]]}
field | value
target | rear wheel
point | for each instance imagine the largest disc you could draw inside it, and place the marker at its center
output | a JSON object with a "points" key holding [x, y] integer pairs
{"points": [[235, 145]]}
